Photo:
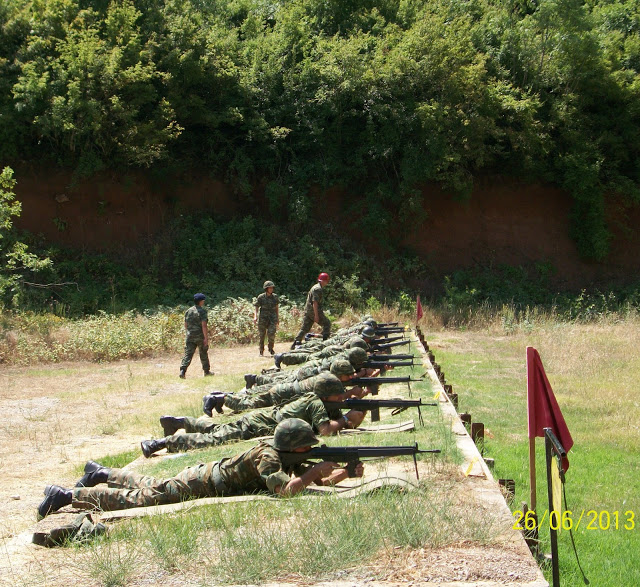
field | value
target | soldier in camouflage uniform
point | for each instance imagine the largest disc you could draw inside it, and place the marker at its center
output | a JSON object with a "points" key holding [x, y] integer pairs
{"points": [[299, 356], [283, 393], [266, 316], [204, 431], [355, 356], [195, 324], [313, 311], [256, 470]]}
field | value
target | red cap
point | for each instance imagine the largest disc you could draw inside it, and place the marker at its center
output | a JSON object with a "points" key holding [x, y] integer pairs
{"points": [[324, 277]]}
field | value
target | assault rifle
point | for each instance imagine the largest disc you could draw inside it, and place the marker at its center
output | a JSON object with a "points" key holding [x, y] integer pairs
{"points": [[390, 357], [389, 345], [386, 340], [352, 455], [364, 381], [374, 383], [385, 324], [365, 405], [384, 364], [390, 330]]}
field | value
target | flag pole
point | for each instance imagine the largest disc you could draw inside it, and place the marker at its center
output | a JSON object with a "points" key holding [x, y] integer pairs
{"points": [[532, 473], [531, 429]]}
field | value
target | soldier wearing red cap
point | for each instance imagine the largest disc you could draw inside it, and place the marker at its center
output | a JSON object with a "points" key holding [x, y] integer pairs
{"points": [[313, 311]]}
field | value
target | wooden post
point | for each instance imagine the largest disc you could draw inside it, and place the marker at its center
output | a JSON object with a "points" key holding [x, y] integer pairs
{"points": [[477, 435]]}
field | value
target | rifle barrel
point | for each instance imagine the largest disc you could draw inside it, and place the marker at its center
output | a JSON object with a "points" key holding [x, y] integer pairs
{"points": [[389, 345], [391, 357]]}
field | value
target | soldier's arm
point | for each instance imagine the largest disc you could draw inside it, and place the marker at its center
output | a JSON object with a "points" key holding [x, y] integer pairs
{"points": [[340, 474], [315, 312], [351, 419], [205, 333], [312, 475]]}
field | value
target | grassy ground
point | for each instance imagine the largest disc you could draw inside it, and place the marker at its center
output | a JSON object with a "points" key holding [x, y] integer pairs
{"points": [[293, 538], [594, 371], [378, 536]]}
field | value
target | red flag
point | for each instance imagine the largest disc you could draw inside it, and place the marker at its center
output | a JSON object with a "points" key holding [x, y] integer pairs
{"points": [[418, 309], [542, 408]]}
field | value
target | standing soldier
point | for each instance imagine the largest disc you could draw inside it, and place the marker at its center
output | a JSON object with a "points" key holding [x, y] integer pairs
{"points": [[195, 323], [313, 311], [266, 315]]}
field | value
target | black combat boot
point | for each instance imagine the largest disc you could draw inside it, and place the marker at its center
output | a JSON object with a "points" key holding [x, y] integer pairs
{"points": [[151, 446], [250, 380], [171, 424], [277, 359], [293, 346], [94, 474], [272, 352], [56, 497], [209, 373], [213, 401], [183, 373]]}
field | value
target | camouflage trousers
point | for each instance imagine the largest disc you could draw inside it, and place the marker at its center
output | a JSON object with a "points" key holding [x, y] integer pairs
{"points": [[190, 346], [203, 431], [298, 356], [307, 323], [275, 378], [267, 326], [276, 395], [127, 489], [286, 376]]}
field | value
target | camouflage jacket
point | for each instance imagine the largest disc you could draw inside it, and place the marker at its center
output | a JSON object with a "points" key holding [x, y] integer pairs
{"points": [[257, 469], [309, 408], [314, 295], [193, 318], [267, 306]]}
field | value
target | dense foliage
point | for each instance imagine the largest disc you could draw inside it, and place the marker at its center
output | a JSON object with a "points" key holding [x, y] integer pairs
{"points": [[378, 94], [15, 259]]}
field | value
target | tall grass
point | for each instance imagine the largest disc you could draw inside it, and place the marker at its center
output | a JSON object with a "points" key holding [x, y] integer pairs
{"points": [[27, 338]]}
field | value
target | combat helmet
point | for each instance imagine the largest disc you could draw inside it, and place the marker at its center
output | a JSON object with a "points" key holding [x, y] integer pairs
{"points": [[356, 341], [268, 284], [368, 331], [371, 322], [293, 433], [326, 385], [342, 367], [357, 356]]}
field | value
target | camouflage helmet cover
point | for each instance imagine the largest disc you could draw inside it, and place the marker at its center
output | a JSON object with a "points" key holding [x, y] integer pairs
{"points": [[357, 356], [327, 384], [268, 284], [371, 322], [356, 341], [342, 367], [293, 433]]}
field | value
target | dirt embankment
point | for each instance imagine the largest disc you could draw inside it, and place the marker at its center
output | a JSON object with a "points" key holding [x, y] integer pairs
{"points": [[503, 222]]}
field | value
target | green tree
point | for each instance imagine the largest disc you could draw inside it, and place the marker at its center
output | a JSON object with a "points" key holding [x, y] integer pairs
{"points": [[14, 254]]}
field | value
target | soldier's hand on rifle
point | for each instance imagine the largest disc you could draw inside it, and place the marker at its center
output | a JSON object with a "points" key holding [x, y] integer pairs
{"points": [[357, 391], [324, 469], [359, 470]]}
